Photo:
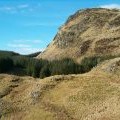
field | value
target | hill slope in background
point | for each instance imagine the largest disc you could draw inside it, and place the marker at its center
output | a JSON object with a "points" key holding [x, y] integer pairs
{"points": [[33, 54], [88, 32], [91, 96], [8, 53], [11, 53]]}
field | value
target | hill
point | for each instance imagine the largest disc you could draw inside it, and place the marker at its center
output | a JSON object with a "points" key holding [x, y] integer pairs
{"points": [[8, 53], [33, 54], [89, 32], [11, 53]]}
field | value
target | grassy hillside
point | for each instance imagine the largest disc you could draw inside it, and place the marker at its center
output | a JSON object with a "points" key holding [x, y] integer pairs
{"points": [[89, 32], [90, 96]]}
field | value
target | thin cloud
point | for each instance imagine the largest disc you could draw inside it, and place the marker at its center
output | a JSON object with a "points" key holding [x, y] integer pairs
{"points": [[19, 45], [43, 24], [28, 41], [23, 6], [37, 41], [28, 50], [25, 46], [111, 6], [17, 8], [6, 8]]}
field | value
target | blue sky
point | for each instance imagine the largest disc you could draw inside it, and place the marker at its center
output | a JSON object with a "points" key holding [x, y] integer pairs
{"points": [[27, 26]]}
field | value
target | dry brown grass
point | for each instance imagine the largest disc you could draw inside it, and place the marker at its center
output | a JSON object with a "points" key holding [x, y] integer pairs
{"points": [[94, 25], [91, 96]]}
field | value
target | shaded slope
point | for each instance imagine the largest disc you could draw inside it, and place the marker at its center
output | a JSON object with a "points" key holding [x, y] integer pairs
{"points": [[33, 54], [8, 53]]}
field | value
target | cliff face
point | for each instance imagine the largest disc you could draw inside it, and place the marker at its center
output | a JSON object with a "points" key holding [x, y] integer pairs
{"points": [[86, 33]]}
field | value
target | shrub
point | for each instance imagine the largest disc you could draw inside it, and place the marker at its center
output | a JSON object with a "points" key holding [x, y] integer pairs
{"points": [[89, 62], [5, 64], [45, 71], [21, 61], [34, 67], [65, 66]]}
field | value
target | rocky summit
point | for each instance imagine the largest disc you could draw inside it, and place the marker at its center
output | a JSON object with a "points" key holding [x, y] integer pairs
{"points": [[89, 32]]}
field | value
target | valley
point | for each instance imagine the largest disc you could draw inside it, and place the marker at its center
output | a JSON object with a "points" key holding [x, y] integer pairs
{"points": [[77, 77]]}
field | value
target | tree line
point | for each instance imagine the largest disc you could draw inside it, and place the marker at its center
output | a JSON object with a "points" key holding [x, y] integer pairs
{"points": [[22, 65]]}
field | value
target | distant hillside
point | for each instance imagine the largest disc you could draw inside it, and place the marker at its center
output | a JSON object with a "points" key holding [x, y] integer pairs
{"points": [[11, 53], [17, 64], [8, 53], [33, 54], [89, 32]]}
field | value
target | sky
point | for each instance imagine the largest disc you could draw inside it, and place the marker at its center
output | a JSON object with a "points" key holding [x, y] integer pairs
{"points": [[28, 26]]}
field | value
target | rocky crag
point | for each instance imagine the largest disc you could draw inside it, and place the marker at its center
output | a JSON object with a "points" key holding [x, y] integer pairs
{"points": [[88, 32]]}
